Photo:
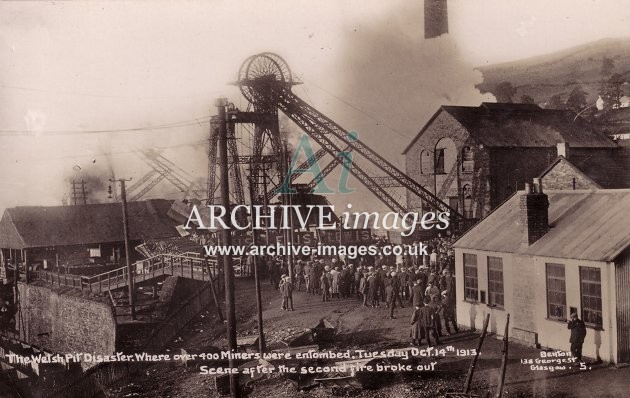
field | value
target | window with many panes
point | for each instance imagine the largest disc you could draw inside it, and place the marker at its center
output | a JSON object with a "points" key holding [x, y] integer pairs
{"points": [[495, 281], [591, 295], [439, 161], [556, 292], [470, 277]]}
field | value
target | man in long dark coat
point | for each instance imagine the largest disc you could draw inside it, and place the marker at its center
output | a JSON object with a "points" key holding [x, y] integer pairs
{"points": [[417, 294], [578, 333], [427, 321]]}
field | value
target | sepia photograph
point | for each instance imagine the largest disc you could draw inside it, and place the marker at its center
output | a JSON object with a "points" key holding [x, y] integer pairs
{"points": [[292, 198]]}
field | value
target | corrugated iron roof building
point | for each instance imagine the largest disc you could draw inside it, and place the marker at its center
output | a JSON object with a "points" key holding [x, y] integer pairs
{"points": [[578, 262]]}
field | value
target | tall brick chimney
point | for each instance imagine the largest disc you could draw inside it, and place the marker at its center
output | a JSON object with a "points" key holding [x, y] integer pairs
{"points": [[534, 217], [435, 18]]}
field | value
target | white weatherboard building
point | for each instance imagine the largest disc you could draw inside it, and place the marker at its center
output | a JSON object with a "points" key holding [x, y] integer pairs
{"points": [[542, 255]]}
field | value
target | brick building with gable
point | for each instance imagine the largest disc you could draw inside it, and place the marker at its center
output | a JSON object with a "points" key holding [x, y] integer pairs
{"points": [[474, 158]]}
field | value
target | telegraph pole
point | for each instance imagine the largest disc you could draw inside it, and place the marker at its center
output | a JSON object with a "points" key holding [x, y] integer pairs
{"points": [[228, 269], [287, 202], [130, 282], [261, 334], [265, 167]]}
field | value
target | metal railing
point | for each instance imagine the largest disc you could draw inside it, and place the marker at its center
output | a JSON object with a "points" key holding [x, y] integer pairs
{"points": [[186, 266], [59, 279]]}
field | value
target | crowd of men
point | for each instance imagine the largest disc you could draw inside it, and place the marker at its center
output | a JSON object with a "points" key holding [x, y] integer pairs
{"points": [[426, 283]]}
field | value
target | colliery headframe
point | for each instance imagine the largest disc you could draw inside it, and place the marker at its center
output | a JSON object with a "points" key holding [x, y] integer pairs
{"points": [[266, 82]]}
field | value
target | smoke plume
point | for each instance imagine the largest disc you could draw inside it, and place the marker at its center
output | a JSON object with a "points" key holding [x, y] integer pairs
{"points": [[398, 79], [391, 80]]}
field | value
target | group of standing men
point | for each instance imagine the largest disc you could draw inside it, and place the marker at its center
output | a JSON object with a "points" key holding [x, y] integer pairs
{"points": [[429, 290], [424, 282]]}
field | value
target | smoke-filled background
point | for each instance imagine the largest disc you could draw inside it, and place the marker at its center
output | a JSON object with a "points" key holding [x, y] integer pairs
{"points": [[85, 85], [391, 80]]}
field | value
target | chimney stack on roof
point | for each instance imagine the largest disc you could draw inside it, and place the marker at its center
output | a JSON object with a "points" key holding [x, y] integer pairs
{"points": [[435, 18], [534, 208], [563, 149]]}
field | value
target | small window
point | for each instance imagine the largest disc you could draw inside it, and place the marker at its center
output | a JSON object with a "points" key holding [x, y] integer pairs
{"points": [[467, 160], [439, 161], [471, 281], [425, 162], [591, 296], [467, 194], [95, 252], [495, 282], [556, 292]]}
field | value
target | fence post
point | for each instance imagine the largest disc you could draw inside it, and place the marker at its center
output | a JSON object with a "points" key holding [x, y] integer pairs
{"points": [[471, 369], [504, 360]]}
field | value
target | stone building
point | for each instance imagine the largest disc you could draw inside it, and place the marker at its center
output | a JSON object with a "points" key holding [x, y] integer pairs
{"points": [[473, 158], [595, 172], [543, 255]]}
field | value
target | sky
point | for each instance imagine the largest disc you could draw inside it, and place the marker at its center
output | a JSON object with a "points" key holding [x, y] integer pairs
{"points": [[71, 70]]}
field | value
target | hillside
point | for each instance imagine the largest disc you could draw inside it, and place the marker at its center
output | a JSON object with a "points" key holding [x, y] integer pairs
{"points": [[558, 73]]}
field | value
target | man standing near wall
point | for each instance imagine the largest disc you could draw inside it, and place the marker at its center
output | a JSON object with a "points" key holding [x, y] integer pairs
{"points": [[578, 332]]}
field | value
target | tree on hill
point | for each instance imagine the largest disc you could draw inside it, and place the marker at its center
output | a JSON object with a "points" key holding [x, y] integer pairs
{"points": [[576, 100], [608, 65], [555, 102], [526, 99], [612, 92], [504, 92]]}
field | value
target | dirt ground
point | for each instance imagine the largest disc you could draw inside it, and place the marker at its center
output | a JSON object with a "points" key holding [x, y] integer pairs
{"points": [[367, 329]]}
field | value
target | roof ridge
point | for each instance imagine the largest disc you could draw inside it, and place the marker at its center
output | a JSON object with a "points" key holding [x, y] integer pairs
{"points": [[43, 226], [586, 225], [599, 191], [523, 125], [88, 204]]}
